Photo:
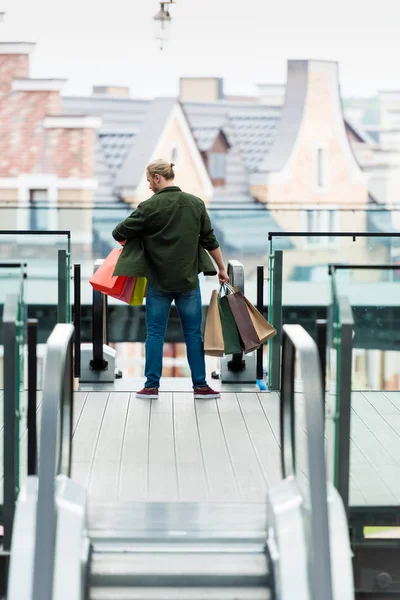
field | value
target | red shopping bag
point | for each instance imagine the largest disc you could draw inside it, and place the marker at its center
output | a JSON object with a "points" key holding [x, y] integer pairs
{"points": [[103, 280]]}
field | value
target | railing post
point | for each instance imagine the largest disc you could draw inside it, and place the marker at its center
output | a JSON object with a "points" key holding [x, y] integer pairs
{"points": [[260, 308], [97, 358], [99, 328], [10, 408], [62, 287], [32, 402], [77, 320], [321, 326], [276, 319], [240, 368], [236, 277]]}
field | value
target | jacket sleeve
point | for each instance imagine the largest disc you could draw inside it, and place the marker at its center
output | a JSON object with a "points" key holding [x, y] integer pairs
{"points": [[207, 236], [131, 227]]}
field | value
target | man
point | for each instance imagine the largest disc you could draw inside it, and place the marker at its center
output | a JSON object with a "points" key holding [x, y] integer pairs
{"points": [[171, 225]]}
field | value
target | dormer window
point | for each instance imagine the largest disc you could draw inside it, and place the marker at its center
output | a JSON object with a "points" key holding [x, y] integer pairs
{"points": [[217, 166]]}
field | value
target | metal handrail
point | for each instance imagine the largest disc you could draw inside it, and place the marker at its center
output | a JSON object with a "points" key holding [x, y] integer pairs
{"points": [[11, 315], [55, 452], [35, 232], [365, 267], [354, 234], [296, 341]]}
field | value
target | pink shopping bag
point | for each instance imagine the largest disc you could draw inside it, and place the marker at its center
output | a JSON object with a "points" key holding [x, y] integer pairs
{"points": [[127, 291]]}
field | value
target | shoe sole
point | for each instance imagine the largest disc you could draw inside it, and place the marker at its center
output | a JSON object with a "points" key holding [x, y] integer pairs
{"points": [[149, 396], [207, 396]]}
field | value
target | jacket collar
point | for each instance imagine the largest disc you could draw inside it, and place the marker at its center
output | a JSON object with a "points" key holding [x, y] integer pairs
{"points": [[170, 188]]}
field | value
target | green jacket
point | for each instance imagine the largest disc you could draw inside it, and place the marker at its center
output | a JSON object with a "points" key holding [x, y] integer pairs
{"points": [[166, 241]]}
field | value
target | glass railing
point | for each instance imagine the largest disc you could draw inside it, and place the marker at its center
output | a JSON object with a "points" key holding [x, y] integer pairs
{"points": [[12, 282], [364, 381], [338, 394], [299, 277], [12, 279], [47, 255], [243, 234], [374, 295]]}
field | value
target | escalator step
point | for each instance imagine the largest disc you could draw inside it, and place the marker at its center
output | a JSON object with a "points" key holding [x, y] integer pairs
{"points": [[152, 593], [171, 569]]}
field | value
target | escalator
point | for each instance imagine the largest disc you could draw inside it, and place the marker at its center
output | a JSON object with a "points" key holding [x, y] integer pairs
{"points": [[293, 547], [154, 551]]}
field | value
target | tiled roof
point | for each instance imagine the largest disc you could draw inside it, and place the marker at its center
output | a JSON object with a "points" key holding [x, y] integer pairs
{"points": [[115, 148], [146, 141], [129, 127], [205, 136], [119, 115], [121, 121], [254, 124], [255, 137]]}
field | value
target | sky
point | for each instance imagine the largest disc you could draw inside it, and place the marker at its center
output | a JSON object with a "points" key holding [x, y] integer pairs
{"points": [[112, 42]]}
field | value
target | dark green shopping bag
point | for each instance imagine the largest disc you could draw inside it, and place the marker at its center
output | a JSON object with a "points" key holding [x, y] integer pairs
{"points": [[230, 333]]}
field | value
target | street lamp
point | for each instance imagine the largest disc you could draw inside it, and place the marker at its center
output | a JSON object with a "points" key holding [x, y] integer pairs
{"points": [[162, 21]]}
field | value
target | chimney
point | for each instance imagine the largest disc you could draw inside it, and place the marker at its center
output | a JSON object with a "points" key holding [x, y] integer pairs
{"points": [[201, 89], [272, 94], [14, 63], [110, 91]]}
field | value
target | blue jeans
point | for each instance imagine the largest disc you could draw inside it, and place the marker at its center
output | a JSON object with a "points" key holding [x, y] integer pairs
{"points": [[158, 305]]}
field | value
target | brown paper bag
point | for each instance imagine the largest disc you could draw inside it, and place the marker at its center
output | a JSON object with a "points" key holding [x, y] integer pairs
{"points": [[213, 340], [263, 328], [248, 334]]}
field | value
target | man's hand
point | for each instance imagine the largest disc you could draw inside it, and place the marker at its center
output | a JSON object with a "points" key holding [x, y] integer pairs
{"points": [[223, 276]]}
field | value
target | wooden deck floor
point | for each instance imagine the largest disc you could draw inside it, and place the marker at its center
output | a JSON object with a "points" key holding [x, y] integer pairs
{"points": [[175, 448], [178, 449]]}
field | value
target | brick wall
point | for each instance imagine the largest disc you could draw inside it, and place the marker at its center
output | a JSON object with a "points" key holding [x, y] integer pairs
{"points": [[71, 152], [12, 66], [22, 145], [26, 146]]}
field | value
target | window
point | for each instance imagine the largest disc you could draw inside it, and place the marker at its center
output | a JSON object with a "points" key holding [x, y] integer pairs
{"points": [[174, 154], [320, 169], [216, 165], [39, 211], [324, 221]]}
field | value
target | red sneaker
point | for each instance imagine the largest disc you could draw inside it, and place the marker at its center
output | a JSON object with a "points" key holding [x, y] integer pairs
{"points": [[149, 393], [204, 393]]}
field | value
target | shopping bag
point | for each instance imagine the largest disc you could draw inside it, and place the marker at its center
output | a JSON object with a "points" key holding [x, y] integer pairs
{"points": [[248, 334], [139, 292], [103, 280], [230, 333], [128, 289], [263, 328], [213, 339]]}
